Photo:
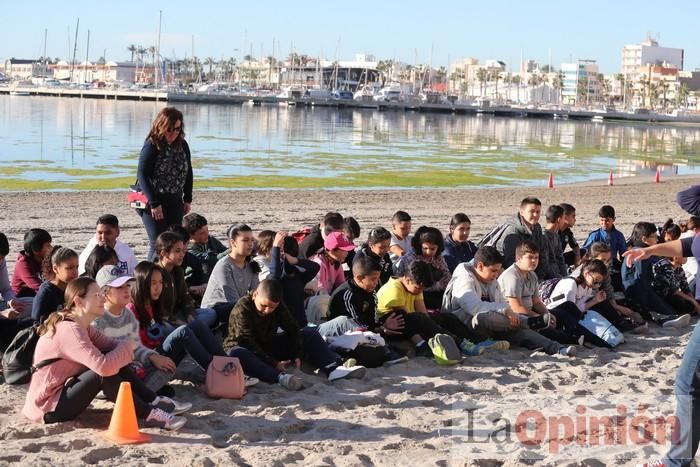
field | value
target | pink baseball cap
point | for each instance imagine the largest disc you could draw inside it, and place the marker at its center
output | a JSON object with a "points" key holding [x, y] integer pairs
{"points": [[338, 240]]}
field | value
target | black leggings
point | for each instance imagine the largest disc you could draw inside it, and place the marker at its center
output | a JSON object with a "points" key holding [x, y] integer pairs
{"points": [[427, 326], [80, 391], [568, 316]]}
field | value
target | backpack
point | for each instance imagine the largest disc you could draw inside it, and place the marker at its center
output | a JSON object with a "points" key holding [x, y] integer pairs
{"points": [[225, 378], [17, 359], [547, 287], [601, 327], [492, 238], [300, 235]]}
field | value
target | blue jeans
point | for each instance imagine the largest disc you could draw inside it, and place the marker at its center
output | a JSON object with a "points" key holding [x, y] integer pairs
{"points": [[315, 350], [195, 339], [206, 315], [687, 390], [173, 211]]}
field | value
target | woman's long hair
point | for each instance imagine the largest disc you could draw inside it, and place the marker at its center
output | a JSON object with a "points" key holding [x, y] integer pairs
{"points": [[164, 122], [57, 256], [76, 288]]}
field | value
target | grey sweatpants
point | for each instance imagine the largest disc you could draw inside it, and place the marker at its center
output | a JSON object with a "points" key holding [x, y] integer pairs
{"points": [[498, 325]]}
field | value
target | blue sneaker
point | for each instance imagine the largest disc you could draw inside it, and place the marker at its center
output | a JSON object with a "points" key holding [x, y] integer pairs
{"points": [[469, 349], [490, 344]]}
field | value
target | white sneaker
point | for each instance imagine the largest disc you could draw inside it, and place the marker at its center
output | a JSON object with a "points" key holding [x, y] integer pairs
{"points": [[654, 463], [171, 406], [581, 339], [342, 372], [569, 351], [160, 419], [680, 322], [291, 382], [250, 381]]}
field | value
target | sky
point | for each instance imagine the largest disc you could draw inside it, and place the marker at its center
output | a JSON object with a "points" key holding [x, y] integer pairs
{"points": [[410, 31]]}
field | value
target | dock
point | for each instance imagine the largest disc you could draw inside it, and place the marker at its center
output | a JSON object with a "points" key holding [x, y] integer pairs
{"points": [[403, 106]]}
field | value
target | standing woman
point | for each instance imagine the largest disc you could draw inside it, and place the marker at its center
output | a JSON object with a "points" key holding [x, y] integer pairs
{"points": [[165, 175]]}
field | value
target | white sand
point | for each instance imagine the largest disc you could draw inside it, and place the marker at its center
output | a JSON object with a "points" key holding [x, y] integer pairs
{"points": [[409, 414]]}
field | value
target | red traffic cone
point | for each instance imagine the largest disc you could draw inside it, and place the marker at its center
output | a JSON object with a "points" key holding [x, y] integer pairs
{"points": [[610, 179], [657, 177], [550, 182]]}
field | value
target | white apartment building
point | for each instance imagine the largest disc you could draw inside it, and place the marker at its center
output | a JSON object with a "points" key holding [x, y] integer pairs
{"points": [[649, 53], [582, 71]]}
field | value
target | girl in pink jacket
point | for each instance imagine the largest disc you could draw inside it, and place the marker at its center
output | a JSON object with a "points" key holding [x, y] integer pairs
{"points": [[87, 362]]}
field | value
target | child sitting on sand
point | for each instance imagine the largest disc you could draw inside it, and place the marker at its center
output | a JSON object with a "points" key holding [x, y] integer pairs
{"points": [[377, 248], [309, 246], [60, 267], [400, 236], [202, 245], [552, 263], [26, 276], [573, 256], [458, 248], [427, 245], [607, 233], [254, 325]]}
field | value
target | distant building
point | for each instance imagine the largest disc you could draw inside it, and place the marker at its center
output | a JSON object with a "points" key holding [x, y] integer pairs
{"points": [[580, 82], [16, 68], [109, 72], [648, 53]]}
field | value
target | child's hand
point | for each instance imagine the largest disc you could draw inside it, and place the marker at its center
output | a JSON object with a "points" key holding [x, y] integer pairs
{"points": [[282, 365], [163, 363], [600, 297], [279, 239]]}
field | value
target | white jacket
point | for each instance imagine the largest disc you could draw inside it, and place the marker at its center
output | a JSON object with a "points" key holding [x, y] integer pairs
{"points": [[464, 292]]}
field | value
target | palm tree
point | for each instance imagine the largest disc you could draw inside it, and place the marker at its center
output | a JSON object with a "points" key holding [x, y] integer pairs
{"points": [[581, 91], [607, 88], [210, 62], [482, 75], [516, 81], [643, 83], [664, 89], [495, 76], [558, 84], [533, 81], [544, 79], [132, 49], [620, 78], [682, 95]]}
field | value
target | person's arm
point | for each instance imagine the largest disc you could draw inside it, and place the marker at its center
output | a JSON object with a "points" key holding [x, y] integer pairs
{"points": [[419, 304], [5, 287], [450, 260], [516, 304], [189, 181], [146, 167], [397, 250], [441, 264], [25, 274], [275, 264], [310, 269], [465, 298], [93, 350], [679, 247], [41, 307], [689, 200]]}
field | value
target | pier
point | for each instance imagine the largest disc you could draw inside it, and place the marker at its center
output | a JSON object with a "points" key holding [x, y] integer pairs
{"points": [[404, 106]]}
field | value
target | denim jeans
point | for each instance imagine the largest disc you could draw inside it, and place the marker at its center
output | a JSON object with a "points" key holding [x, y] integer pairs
{"points": [[207, 315], [638, 293], [253, 366], [497, 325], [195, 339], [173, 211], [687, 390]]}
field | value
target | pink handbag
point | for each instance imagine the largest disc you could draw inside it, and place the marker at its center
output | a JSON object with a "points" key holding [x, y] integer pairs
{"points": [[225, 379]]}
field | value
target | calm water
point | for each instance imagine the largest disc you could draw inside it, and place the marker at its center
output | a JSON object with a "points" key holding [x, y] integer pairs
{"points": [[63, 143]]}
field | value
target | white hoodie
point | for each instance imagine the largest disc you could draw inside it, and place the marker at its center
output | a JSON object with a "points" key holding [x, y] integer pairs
{"points": [[463, 296]]}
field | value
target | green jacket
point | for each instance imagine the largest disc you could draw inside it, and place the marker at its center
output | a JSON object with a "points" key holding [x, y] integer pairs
{"points": [[257, 333]]}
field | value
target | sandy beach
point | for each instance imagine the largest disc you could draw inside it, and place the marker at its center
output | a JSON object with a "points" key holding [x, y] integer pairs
{"points": [[410, 414]]}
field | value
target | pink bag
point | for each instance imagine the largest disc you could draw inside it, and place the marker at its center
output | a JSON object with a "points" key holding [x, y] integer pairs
{"points": [[225, 378]]}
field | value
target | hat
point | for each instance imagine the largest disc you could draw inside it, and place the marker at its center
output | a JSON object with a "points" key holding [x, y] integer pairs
{"points": [[338, 240], [111, 276]]}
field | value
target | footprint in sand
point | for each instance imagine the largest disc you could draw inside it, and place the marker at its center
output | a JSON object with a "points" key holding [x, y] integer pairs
{"points": [[385, 415], [102, 454]]}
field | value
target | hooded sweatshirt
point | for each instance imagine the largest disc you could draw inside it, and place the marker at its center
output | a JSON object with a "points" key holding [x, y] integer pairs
{"points": [[466, 296]]}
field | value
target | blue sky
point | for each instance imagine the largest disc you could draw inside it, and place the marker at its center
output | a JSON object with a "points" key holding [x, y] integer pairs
{"points": [[407, 30]]}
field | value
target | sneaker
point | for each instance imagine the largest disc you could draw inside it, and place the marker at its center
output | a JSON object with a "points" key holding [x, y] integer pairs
{"points": [[161, 419], [350, 362], [490, 344], [392, 358], [342, 372], [654, 463], [250, 381], [445, 349], [291, 382], [171, 406], [569, 351], [581, 340], [423, 350], [680, 322], [470, 349]]}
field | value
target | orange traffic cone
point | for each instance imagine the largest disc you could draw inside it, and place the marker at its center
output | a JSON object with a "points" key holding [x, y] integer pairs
{"points": [[610, 179], [657, 177], [123, 428], [550, 182]]}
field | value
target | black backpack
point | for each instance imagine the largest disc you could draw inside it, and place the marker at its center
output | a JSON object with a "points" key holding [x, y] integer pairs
{"points": [[17, 359]]}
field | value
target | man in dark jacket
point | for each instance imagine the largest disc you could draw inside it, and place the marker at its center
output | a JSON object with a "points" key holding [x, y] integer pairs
{"points": [[523, 226]]}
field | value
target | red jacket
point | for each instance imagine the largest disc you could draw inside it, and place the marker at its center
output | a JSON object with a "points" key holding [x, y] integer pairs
{"points": [[26, 277]]}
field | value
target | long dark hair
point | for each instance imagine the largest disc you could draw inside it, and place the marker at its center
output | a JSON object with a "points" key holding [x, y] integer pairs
{"points": [[58, 255], [426, 234], [592, 266], [141, 293], [75, 288], [99, 256], [641, 229]]}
